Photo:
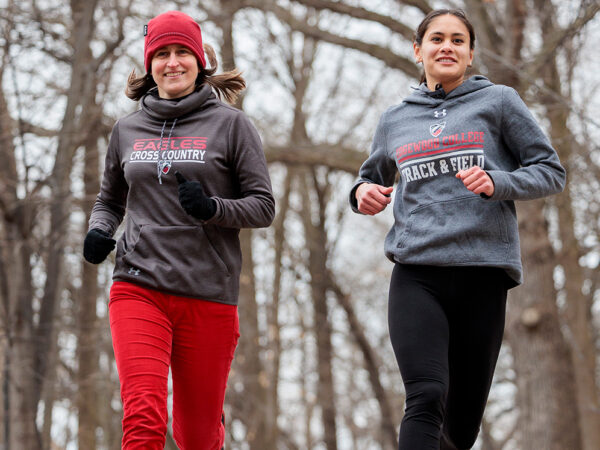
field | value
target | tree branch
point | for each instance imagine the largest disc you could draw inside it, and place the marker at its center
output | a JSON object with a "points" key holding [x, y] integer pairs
{"points": [[487, 30], [28, 127], [387, 56], [360, 13], [335, 157], [122, 13], [556, 40]]}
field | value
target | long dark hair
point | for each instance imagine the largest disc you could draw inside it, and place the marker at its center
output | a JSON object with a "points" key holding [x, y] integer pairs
{"points": [[227, 84], [424, 25]]}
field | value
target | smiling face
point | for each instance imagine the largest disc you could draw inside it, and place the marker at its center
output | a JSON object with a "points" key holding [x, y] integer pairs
{"points": [[174, 69], [445, 52]]}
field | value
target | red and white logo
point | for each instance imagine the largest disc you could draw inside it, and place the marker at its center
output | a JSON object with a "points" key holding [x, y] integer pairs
{"points": [[177, 149], [437, 128]]}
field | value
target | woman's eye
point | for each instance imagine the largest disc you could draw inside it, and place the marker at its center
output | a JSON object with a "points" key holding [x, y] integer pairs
{"points": [[458, 41]]}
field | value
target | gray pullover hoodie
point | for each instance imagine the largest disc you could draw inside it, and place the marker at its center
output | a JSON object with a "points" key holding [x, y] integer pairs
{"points": [[427, 139], [162, 247]]}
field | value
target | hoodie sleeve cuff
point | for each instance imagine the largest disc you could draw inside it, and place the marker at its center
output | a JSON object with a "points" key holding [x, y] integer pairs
{"points": [[218, 215], [352, 197], [500, 180]]}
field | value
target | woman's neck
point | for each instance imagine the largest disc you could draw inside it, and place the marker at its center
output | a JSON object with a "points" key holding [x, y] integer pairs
{"points": [[446, 85]]}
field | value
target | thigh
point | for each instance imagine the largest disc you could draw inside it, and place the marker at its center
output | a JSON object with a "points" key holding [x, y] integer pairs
{"points": [[204, 342], [476, 330], [418, 324], [141, 337]]}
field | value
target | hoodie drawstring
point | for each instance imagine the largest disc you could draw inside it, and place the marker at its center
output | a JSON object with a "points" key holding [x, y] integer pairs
{"points": [[164, 165]]}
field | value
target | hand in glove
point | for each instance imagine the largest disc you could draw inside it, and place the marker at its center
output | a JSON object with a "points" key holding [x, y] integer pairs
{"points": [[193, 199], [97, 245]]}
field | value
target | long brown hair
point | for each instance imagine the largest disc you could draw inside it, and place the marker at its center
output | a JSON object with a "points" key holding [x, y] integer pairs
{"points": [[424, 25], [227, 84]]}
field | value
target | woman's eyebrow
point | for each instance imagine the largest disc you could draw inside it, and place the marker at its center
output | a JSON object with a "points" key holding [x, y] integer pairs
{"points": [[453, 34]]}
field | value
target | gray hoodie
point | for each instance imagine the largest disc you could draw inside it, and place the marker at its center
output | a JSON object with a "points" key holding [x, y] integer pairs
{"points": [[162, 247], [427, 139]]}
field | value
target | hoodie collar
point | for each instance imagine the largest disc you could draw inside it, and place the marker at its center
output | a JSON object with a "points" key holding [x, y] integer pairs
{"points": [[422, 95], [163, 109]]}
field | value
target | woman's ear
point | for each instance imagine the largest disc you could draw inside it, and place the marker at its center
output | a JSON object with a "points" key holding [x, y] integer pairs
{"points": [[417, 51]]}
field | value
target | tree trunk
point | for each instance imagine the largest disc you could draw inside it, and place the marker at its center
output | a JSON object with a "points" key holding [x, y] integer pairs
{"points": [[545, 384], [87, 320], [316, 242], [250, 403], [74, 118], [273, 330], [578, 310], [389, 437], [19, 429], [49, 397], [21, 379]]}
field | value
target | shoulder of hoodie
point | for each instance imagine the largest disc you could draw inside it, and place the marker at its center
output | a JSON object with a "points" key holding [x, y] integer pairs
{"points": [[127, 119], [231, 111], [502, 96], [393, 112], [493, 89]]}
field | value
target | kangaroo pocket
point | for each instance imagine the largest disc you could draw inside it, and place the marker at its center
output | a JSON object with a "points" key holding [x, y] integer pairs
{"points": [[459, 231], [178, 259]]}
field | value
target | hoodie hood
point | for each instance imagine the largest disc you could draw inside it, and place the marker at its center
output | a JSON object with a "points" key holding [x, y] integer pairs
{"points": [[424, 96], [163, 109]]}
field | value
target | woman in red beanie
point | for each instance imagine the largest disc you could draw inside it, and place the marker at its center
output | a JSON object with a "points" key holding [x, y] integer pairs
{"points": [[189, 171]]}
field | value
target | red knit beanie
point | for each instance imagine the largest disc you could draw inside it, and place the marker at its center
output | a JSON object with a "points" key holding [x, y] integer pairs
{"points": [[172, 27]]}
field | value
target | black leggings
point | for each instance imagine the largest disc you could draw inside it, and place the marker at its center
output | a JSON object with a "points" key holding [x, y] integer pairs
{"points": [[446, 326]]}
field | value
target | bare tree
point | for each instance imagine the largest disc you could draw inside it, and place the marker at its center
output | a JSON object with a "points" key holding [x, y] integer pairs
{"points": [[310, 368], [30, 307]]}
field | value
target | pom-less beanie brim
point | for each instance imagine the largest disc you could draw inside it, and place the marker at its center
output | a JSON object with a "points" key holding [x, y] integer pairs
{"points": [[170, 28]]}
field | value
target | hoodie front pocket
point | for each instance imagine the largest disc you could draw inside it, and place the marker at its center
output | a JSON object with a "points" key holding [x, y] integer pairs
{"points": [[179, 259], [463, 230]]}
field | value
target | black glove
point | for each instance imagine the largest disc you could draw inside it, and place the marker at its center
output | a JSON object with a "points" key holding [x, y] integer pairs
{"points": [[97, 245], [193, 199]]}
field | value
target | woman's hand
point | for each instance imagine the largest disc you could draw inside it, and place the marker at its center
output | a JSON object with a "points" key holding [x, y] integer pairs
{"points": [[193, 199], [372, 198], [97, 245], [477, 180]]}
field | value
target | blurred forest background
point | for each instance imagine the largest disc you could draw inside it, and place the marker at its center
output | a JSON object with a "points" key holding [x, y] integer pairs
{"points": [[314, 368]]}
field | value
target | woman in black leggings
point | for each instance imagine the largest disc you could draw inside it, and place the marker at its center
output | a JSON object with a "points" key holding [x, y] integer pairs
{"points": [[465, 150]]}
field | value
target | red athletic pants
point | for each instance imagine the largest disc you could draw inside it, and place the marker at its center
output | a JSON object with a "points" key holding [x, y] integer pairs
{"points": [[151, 331]]}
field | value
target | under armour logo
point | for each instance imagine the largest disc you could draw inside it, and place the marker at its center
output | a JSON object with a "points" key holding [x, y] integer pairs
{"points": [[441, 113], [136, 272]]}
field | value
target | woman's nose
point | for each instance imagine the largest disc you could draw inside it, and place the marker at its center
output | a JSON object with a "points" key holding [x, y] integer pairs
{"points": [[447, 46], [172, 59]]}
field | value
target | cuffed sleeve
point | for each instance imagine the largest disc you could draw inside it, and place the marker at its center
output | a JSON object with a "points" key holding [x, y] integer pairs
{"points": [[379, 168], [541, 173], [109, 208], [256, 206]]}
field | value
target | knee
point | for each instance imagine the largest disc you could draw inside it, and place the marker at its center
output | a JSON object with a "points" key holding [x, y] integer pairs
{"points": [[426, 397], [463, 441], [145, 411]]}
